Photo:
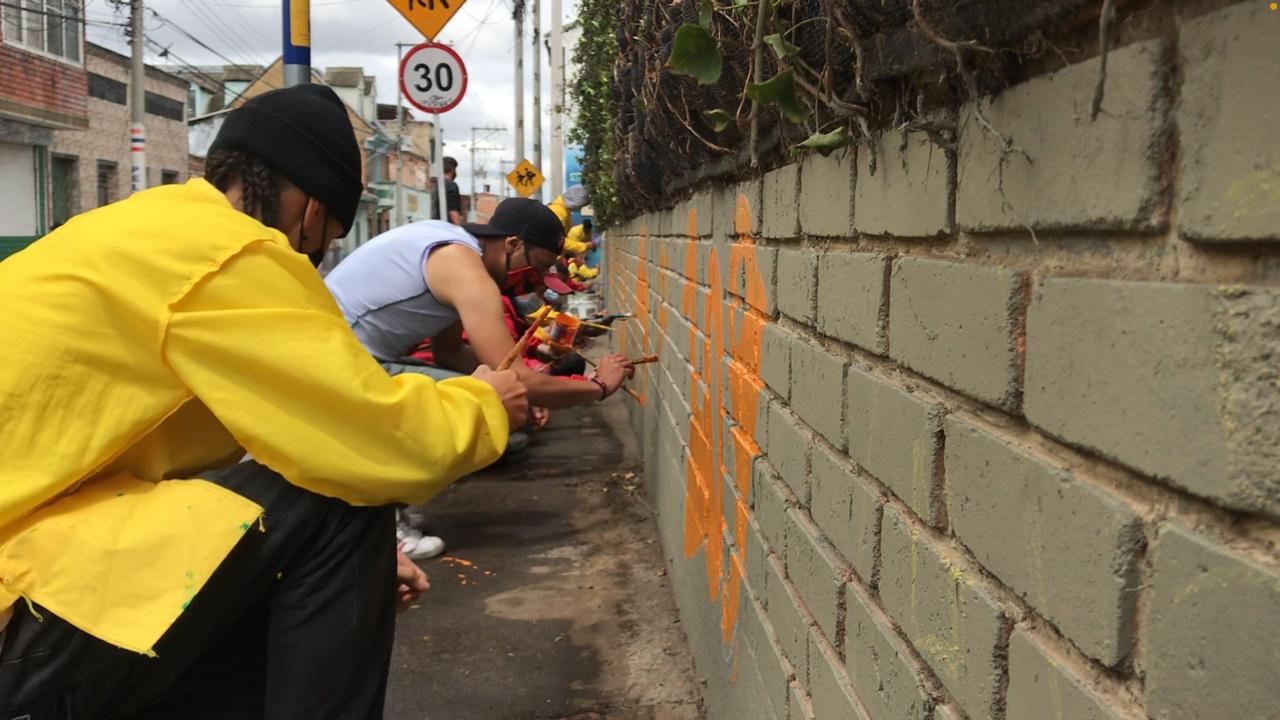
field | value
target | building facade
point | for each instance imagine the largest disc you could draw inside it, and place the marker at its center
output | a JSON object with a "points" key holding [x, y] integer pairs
{"points": [[43, 89], [95, 164]]}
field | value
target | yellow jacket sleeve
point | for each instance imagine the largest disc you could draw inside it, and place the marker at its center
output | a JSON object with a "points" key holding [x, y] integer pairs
{"points": [[261, 342], [575, 243]]}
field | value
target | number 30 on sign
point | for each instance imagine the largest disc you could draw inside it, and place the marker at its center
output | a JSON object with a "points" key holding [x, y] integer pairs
{"points": [[433, 77]]}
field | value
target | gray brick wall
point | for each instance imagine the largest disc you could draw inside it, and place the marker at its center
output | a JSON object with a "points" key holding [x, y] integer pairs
{"points": [[963, 472]]}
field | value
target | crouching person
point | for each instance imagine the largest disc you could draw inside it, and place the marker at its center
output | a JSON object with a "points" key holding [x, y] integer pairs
{"points": [[149, 345]]}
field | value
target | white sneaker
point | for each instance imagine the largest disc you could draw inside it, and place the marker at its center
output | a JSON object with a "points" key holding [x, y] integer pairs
{"points": [[428, 546], [414, 544]]}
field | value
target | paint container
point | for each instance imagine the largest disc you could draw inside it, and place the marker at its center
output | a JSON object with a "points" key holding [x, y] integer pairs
{"points": [[564, 329]]}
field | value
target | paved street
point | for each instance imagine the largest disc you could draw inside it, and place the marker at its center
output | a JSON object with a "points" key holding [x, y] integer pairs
{"points": [[551, 600]]}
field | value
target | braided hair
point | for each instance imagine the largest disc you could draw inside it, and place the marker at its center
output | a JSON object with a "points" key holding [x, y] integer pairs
{"points": [[260, 186]]}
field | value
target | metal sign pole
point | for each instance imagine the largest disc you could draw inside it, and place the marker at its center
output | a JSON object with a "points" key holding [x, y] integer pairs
{"points": [[437, 167]]}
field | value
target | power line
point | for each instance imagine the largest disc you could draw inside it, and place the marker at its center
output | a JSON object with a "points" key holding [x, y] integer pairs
{"points": [[222, 32], [202, 43]]}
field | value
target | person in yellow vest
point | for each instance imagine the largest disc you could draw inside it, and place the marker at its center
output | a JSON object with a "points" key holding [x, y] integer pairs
{"points": [[149, 345]]}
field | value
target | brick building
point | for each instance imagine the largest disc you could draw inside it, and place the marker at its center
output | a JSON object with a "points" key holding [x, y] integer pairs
{"points": [[43, 89], [96, 161]]}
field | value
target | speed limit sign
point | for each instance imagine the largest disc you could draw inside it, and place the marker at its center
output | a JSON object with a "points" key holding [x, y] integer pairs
{"points": [[433, 77]]}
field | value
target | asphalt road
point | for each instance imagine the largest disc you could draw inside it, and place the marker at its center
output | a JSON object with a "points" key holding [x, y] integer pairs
{"points": [[551, 600]]}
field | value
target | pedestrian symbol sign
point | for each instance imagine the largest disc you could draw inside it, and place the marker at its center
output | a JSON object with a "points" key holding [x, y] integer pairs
{"points": [[525, 178], [429, 16]]}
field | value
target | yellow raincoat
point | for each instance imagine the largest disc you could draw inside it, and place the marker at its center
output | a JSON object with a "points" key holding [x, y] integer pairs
{"points": [[165, 335], [582, 273], [576, 242]]}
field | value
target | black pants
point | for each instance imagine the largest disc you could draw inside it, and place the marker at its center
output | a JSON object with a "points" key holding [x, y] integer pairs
{"points": [[297, 622]]}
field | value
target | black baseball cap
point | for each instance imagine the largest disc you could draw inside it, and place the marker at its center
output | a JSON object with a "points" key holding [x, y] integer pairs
{"points": [[528, 219]]}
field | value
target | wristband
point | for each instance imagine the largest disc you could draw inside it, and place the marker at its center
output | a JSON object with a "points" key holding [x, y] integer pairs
{"points": [[604, 389]]}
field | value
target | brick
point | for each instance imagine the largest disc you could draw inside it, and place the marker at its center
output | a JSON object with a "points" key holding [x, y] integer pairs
{"points": [[787, 620], [763, 293], [779, 202], [847, 511], [1040, 687], [788, 450], [826, 194], [853, 302], [909, 193], [724, 205], [896, 436], [879, 665], [1176, 381], [801, 704], [829, 688], [958, 324], [954, 624], [770, 503], [757, 557], [817, 389], [1228, 94], [1083, 173], [798, 284], [1210, 634], [775, 358], [1066, 546], [702, 205], [814, 570], [774, 670]]}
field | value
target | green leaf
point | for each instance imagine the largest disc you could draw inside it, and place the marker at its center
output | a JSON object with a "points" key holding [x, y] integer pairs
{"points": [[694, 53], [719, 119], [825, 143], [780, 47], [705, 8], [780, 90]]}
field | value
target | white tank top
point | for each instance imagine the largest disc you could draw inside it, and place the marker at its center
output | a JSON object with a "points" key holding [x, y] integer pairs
{"points": [[382, 288]]}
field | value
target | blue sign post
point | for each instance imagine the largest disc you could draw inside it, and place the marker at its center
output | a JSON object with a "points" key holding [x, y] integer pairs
{"points": [[296, 22]]}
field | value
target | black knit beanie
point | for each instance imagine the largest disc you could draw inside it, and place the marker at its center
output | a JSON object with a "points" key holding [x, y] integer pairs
{"points": [[303, 133]]}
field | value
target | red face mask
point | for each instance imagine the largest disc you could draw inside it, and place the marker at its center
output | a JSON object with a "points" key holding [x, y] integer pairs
{"points": [[522, 280]]}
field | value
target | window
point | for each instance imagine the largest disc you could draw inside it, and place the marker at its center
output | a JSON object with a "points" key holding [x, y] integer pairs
{"points": [[108, 182], [51, 27], [164, 107], [65, 189], [168, 177]]}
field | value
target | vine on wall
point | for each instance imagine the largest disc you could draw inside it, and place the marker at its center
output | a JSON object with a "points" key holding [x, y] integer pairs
{"points": [[703, 89], [594, 94]]}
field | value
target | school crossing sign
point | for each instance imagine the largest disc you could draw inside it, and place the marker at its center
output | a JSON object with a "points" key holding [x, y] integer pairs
{"points": [[428, 16], [525, 178]]}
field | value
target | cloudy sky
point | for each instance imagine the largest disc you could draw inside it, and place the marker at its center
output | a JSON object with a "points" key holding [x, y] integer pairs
{"points": [[362, 33]]}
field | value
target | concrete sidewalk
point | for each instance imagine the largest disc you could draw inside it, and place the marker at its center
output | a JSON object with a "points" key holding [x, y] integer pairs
{"points": [[551, 600]]}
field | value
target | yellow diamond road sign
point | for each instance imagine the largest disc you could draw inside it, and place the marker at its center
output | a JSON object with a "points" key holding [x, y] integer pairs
{"points": [[429, 16], [525, 178]]}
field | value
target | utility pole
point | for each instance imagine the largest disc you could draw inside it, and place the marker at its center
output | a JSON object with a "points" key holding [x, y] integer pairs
{"points": [[399, 140], [557, 99], [471, 214], [296, 26], [137, 100], [518, 16], [537, 89]]}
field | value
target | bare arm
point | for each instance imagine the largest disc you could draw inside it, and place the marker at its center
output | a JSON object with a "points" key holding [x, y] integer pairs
{"points": [[451, 353], [457, 278]]}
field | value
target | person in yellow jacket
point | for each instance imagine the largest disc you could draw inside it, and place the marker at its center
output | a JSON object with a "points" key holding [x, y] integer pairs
{"points": [[579, 239], [147, 346]]}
